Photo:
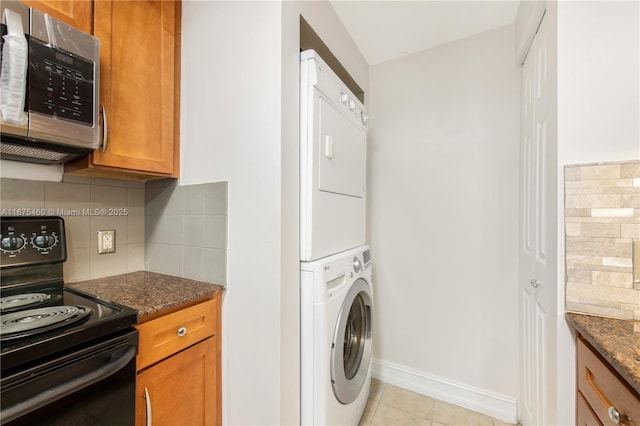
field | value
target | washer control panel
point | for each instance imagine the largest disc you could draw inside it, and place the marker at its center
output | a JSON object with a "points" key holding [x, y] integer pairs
{"points": [[31, 240]]}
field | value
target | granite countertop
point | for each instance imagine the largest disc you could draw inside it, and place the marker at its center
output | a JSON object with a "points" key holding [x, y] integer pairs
{"points": [[618, 341], [147, 292]]}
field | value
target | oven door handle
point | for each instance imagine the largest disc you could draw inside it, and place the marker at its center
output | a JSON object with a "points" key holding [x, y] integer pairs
{"points": [[69, 387]]}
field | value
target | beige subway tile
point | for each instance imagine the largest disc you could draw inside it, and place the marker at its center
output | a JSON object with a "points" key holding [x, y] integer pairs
{"points": [[597, 247], [603, 294], [601, 230], [612, 212], [630, 200], [593, 201], [601, 171], [582, 276], [602, 311], [612, 279], [599, 184], [572, 229], [616, 294], [577, 213], [603, 268], [581, 261], [606, 219], [629, 306], [630, 230], [630, 170], [570, 299], [571, 173], [624, 262]]}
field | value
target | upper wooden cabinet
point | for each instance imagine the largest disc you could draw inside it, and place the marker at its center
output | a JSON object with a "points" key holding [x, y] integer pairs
{"points": [[77, 13], [139, 89]]}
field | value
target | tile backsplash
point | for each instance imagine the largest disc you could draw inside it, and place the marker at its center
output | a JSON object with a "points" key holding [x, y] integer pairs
{"points": [[87, 205], [602, 220], [160, 226], [186, 230]]}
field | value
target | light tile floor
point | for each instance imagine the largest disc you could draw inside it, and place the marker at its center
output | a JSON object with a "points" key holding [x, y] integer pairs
{"points": [[391, 405]]}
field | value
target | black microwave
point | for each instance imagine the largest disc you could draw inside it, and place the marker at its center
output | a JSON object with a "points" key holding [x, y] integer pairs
{"points": [[49, 80]]}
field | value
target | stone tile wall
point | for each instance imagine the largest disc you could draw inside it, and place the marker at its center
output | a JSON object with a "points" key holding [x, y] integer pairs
{"points": [[602, 219], [187, 230], [123, 203]]}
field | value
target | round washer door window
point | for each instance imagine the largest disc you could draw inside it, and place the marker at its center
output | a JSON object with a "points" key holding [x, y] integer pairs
{"points": [[351, 346]]}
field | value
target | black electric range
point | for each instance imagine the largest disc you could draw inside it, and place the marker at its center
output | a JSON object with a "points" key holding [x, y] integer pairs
{"points": [[57, 342]]}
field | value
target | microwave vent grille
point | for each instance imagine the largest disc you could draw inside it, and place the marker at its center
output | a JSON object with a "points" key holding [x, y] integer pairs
{"points": [[25, 151]]}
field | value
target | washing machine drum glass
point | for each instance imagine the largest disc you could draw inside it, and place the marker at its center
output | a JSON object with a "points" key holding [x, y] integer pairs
{"points": [[351, 348]]}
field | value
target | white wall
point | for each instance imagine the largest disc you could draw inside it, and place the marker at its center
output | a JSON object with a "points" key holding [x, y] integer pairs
{"points": [[240, 75], [598, 120], [231, 112], [443, 220], [598, 81]]}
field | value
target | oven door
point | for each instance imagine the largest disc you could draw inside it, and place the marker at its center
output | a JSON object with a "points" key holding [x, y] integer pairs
{"points": [[89, 386]]}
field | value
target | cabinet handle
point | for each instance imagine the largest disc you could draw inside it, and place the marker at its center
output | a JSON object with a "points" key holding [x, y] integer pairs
{"points": [[182, 331], [614, 415], [105, 129], [148, 407], [534, 283]]}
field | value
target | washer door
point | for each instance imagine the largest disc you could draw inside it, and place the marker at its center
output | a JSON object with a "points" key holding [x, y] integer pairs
{"points": [[351, 346]]}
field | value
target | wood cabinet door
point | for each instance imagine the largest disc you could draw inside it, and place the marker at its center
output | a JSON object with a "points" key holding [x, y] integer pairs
{"points": [[584, 414], [77, 13], [182, 389], [138, 83]]}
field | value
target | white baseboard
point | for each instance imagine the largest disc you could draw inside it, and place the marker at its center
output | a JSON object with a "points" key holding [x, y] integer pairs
{"points": [[492, 404]]}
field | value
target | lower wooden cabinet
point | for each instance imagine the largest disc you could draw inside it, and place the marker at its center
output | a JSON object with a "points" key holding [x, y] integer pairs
{"points": [[584, 414], [178, 379], [603, 397], [180, 390]]}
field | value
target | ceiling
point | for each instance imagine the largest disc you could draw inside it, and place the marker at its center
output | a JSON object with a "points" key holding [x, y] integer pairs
{"points": [[384, 30]]}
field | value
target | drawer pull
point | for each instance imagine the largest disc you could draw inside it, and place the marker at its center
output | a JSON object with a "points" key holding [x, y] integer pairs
{"points": [[182, 331], [615, 416]]}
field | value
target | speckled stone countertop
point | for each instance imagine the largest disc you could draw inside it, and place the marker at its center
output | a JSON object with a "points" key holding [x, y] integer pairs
{"points": [[147, 292], [616, 340]]}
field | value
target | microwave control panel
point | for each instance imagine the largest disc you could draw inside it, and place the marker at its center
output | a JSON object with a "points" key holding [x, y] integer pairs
{"points": [[60, 83]]}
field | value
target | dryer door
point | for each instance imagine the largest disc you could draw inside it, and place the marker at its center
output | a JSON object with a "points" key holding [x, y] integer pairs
{"points": [[351, 346], [342, 152]]}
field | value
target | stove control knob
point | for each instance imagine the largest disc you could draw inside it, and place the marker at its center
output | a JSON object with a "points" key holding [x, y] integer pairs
{"points": [[352, 105], [12, 243], [44, 241], [344, 98]]}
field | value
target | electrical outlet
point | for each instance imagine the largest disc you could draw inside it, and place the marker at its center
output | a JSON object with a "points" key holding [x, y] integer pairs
{"points": [[106, 242]]}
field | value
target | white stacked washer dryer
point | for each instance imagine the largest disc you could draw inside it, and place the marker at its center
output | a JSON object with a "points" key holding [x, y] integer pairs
{"points": [[336, 295]]}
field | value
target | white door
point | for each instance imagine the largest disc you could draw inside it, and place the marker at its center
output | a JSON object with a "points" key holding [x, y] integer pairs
{"points": [[538, 234]]}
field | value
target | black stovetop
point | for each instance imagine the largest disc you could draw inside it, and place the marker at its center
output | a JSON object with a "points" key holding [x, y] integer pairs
{"points": [[106, 318], [35, 266]]}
